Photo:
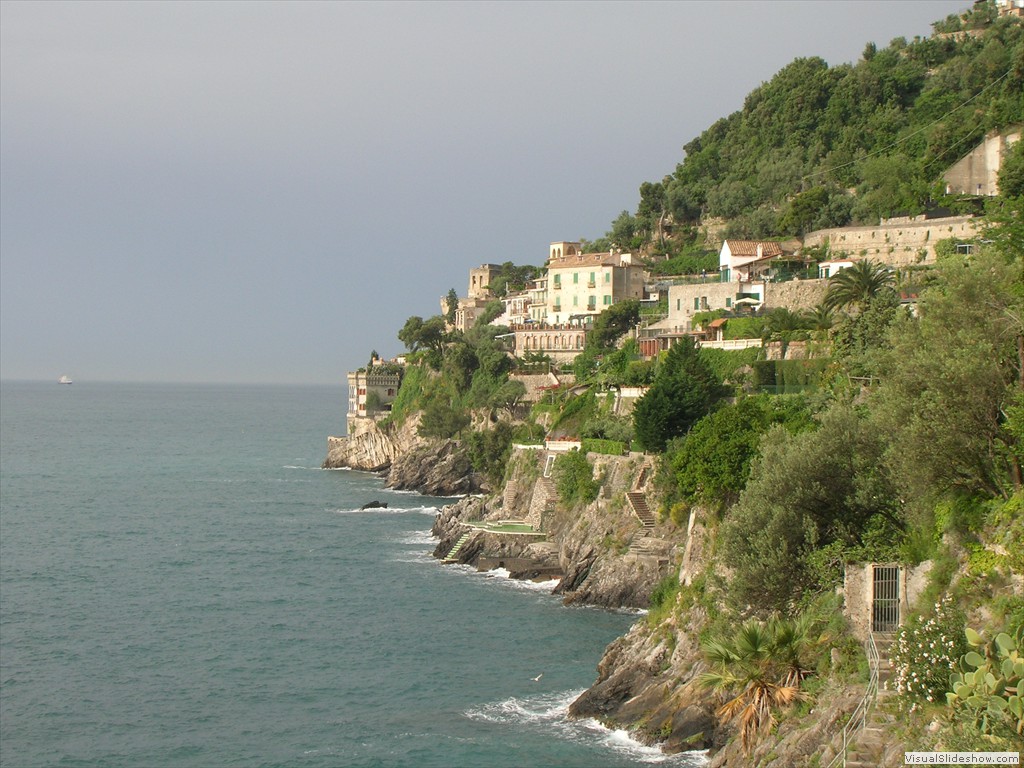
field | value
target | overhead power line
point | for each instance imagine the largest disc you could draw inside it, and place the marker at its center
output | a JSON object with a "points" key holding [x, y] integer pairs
{"points": [[909, 135]]}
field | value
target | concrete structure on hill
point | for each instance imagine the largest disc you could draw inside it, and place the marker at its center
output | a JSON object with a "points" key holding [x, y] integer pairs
{"points": [[978, 172], [478, 295], [562, 343], [1010, 8]]}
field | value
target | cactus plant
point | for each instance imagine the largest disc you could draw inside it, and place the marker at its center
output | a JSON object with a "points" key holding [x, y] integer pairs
{"points": [[988, 682]]}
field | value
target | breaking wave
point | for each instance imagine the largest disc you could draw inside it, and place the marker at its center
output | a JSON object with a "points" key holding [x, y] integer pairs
{"points": [[550, 712]]}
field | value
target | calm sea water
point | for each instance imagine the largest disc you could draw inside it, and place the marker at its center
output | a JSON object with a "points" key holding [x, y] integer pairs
{"points": [[181, 585]]}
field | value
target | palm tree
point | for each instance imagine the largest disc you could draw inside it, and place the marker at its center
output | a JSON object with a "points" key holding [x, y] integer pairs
{"points": [[781, 321], [858, 284], [820, 318], [761, 669]]}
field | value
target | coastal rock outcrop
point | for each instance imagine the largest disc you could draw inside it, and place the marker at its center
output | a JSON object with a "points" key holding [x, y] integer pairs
{"points": [[648, 683], [412, 463], [370, 447], [438, 468], [605, 554]]}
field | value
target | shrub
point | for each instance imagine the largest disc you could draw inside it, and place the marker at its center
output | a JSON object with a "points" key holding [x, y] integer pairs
{"points": [[574, 478], [663, 598], [607, 447], [926, 651]]}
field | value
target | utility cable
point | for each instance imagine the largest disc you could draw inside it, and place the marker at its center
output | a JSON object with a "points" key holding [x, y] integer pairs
{"points": [[909, 135]]}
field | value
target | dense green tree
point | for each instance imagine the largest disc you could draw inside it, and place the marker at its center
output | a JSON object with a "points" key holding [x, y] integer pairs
{"points": [[613, 323], [574, 478], [418, 333], [511, 278], [711, 464], [451, 301], [1011, 174], [887, 127], [489, 450], [806, 491], [860, 341], [683, 391], [442, 417], [460, 363], [953, 371]]}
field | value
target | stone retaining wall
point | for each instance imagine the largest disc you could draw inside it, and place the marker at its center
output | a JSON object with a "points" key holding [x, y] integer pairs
{"points": [[896, 243]]}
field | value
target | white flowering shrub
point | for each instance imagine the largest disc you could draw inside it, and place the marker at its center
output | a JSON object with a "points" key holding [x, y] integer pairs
{"points": [[926, 651]]}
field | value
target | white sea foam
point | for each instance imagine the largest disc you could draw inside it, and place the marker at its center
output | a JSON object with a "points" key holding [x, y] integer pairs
{"points": [[551, 710], [532, 586], [432, 511]]}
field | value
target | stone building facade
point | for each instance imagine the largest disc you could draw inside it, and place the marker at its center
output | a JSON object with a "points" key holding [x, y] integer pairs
{"points": [[583, 284], [371, 392]]}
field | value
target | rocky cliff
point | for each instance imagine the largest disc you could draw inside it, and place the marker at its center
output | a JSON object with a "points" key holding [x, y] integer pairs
{"points": [[606, 554], [409, 462], [612, 552]]}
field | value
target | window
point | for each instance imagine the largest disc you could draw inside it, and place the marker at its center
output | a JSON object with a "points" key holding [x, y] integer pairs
{"points": [[575, 278], [696, 303], [607, 300], [728, 302], [575, 301], [679, 305], [607, 277]]}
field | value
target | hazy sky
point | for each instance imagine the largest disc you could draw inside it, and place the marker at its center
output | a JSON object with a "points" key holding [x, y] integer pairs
{"points": [[264, 192]]}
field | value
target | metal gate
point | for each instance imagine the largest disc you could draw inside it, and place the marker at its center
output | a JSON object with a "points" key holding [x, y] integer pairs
{"points": [[885, 598]]}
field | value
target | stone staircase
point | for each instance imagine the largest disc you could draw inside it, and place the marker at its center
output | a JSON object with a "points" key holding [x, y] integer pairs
{"points": [[638, 502], [454, 551], [509, 496], [545, 494], [644, 547], [866, 749]]}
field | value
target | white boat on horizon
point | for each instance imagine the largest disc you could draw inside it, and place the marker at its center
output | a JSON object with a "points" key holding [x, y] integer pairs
{"points": [[65, 379]]}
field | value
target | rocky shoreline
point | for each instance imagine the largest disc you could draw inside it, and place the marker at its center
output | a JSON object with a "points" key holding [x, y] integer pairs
{"points": [[602, 554]]}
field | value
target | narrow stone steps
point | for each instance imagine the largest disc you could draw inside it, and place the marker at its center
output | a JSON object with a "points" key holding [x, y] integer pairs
{"points": [[454, 551], [640, 508]]}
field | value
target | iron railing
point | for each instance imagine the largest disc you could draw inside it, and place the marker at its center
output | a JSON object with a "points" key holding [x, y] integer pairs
{"points": [[860, 715]]}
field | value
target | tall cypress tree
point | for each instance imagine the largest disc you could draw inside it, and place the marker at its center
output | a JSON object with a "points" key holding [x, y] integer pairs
{"points": [[684, 391]]}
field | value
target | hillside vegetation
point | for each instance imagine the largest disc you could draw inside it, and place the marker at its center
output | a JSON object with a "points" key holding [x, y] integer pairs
{"points": [[819, 146], [899, 438]]}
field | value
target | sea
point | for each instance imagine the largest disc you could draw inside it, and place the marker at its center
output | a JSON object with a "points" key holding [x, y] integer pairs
{"points": [[181, 584]]}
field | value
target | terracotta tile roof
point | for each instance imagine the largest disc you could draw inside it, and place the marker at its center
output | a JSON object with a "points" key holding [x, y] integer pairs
{"points": [[586, 260], [749, 248], [717, 323]]}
